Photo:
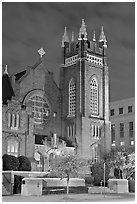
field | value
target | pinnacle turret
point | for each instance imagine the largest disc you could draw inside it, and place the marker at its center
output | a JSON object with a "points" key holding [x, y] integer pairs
{"points": [[102, 36], [94, 37], [6, 70], [65, 37], [83, 31], [72, 37]]}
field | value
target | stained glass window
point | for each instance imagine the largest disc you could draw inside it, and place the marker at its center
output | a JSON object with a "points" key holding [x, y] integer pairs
{"points": [[40, 108], [12, 147]]}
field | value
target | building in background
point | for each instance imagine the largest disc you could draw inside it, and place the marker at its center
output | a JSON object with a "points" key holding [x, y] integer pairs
{"points": [[122, 117]]}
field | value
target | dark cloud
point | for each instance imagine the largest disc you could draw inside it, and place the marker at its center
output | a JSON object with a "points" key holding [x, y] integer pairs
{"points": [[27, 26], [35, 6]]}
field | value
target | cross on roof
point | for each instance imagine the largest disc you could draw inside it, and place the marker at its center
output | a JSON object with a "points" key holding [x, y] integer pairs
{"points": [[41, 52]]}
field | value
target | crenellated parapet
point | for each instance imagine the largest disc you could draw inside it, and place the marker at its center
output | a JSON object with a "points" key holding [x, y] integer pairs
{"points": [[92, 50]]}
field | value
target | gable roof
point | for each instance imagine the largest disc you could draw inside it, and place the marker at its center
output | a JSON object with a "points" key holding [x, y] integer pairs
{"points": [[7, 90], [21, 75]]}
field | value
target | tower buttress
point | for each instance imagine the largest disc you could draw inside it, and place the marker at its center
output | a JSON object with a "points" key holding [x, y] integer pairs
{"points": [[6, 70], [83, 39], [72, 44], [103, 41]]}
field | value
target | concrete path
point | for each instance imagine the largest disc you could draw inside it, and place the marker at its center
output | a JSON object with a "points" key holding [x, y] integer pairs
{"points": [[71, 198]]}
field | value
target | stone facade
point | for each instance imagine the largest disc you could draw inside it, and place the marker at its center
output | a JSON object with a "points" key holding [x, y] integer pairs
{"points": [[23, 129], [82, 62], [41, 118]]}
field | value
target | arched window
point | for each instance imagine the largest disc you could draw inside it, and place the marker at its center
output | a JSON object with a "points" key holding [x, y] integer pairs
{"points": [[72, 97], [94, 96], [95, 152], [12, 147], [40, 108], [39, 158]]}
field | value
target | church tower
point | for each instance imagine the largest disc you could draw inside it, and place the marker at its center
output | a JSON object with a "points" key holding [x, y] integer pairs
{"points": [[84, 85]]}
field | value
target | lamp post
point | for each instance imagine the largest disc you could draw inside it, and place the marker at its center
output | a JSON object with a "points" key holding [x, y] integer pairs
{"points": [[54, 133]]}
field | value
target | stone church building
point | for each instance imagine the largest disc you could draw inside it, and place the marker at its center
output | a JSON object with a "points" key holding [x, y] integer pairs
{"points": [[42, 121]]}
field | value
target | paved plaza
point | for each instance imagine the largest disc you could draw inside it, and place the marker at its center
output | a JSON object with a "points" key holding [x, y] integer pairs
{"points": [[71, 198]]}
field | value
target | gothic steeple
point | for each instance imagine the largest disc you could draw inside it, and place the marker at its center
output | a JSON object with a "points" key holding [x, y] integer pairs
{"points": [[94, 42], [6, 70], [72, 44], [72, 37], [83, 31], [65, 37], [102, 37], [94, 37]]}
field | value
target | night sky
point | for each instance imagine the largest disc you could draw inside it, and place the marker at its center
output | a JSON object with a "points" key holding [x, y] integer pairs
{"points": [[26, 27]]}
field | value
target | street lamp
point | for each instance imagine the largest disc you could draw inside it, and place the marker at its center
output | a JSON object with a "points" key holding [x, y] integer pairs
{"points": [[54, 134]]}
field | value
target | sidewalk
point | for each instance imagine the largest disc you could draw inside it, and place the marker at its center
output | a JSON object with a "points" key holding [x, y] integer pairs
{"points": [[71, 198]]}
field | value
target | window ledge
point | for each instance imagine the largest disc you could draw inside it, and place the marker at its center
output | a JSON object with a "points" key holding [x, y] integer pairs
{"points": [[95, 116], [96, 137], [71, 116], [14, 128]]}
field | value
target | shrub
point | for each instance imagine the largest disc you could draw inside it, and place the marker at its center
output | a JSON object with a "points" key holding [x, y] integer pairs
{"points": [[17, 184], [89, 180], [10, 162], [98, 173], [24, 164]]}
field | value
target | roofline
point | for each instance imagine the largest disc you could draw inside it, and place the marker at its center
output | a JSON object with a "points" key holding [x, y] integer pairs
{"points": [[122, 100]]}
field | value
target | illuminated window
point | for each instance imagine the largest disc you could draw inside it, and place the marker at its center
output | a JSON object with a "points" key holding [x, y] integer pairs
{"points": [[40, 108], [113, 144], [94, 97], [72, 97], [122, 143], [132, 142], [12, 147]]}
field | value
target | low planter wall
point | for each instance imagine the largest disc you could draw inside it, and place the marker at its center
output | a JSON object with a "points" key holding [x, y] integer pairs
{"points": [[8, 179], [131, 186], [63, 182], [118, 185], [36, 186]]}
